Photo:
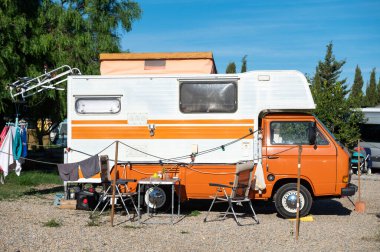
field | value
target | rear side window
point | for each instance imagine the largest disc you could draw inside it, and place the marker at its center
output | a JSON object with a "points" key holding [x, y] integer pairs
{"points": [[208, 97], [97, 105], [290, 133]]}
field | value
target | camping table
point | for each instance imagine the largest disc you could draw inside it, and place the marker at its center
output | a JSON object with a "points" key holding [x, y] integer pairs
{"points": [[157, 182]]}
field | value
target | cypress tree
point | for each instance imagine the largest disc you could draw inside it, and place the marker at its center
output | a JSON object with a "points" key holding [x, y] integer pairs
{"points": [[231, 68], [371, 92], [244, 64], [356, 95]]}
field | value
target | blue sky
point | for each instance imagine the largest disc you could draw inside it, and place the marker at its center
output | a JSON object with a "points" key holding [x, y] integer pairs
{"points": [[273, 34]]}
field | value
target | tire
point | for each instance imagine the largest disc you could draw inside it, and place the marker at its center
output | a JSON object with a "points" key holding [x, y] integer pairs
{"points": [[157, 198], [285, 200]]}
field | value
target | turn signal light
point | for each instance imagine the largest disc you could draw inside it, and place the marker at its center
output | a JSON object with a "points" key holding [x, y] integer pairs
{"points": [[345, 179]]}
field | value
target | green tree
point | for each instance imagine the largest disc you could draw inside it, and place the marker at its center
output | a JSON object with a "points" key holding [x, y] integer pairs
{"points": [[36, 33], [329, 70], [231, 68], [244, 64], [333, 109], [371, 92], [15, 27], [356, 95], [316, 84]]}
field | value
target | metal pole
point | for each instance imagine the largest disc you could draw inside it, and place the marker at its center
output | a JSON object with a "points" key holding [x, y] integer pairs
{"points": [[298, 191], [114, 183], [359, 170]]}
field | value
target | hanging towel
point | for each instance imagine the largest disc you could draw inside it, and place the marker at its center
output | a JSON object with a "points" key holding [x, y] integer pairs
{"points": [[260, 181], [17, 144], [6, 154], [24, 141], [90, 166], [68, 172]]}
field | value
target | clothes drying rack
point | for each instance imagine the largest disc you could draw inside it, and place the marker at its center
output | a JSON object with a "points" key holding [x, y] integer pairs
{"points": [[26, 86]]}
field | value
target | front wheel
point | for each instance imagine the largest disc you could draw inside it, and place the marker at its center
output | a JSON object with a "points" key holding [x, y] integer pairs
{"points": [[285, 200]]}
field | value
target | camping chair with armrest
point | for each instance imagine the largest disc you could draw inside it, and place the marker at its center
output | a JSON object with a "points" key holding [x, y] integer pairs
{"points": [[106, 195], [239, 192]]}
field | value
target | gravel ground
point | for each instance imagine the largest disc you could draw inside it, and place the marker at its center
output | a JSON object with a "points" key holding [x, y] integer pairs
{"points": [[336, 227]]}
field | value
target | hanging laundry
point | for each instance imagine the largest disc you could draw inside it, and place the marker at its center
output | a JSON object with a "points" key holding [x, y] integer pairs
{"points": [[2, 137], [17, 150], [69, 171], [24, 141], [89, 167], [17, 144], [6, 153], [3, 134]]}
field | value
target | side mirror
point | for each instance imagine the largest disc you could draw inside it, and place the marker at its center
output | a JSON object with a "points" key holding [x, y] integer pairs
{"points": [[313, 134]]}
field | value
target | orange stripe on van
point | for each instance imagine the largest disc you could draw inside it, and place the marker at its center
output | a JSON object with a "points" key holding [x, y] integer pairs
{"points": [[201, 121], [99, 121], [163, 132]]}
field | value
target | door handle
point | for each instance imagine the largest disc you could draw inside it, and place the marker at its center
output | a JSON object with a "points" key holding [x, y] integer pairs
{"points": [[273, 157]]}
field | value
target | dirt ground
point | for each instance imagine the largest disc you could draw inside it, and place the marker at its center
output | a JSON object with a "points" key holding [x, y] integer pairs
{"points": [[24, 226]]}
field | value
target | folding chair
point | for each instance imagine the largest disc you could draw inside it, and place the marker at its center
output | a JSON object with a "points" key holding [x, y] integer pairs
{"points": [[106, 196], [239, 191]]}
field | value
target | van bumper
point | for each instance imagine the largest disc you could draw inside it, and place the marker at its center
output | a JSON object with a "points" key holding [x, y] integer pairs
{"points": [[350, 190]]}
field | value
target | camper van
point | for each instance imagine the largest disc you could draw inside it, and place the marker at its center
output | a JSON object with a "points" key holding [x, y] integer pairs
{"points": [[371, 138], [199, 126]]}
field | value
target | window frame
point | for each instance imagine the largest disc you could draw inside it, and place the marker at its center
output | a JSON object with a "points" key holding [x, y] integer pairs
{"points": [[234, 82], [112, 97], [291, 144], [320, 132]]}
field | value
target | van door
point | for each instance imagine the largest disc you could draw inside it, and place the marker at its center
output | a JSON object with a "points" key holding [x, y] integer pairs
{"points": [[318, 165]]}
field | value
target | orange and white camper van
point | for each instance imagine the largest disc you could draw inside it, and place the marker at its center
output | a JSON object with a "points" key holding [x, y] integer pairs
{"points": [[199, 125]]}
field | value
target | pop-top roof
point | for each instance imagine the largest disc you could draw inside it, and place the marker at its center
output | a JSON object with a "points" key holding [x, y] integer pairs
{"points": [[157, 63]]}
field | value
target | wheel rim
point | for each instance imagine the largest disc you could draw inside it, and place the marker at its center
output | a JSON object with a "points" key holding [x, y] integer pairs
{"points": [[155, 197], [289, 201]]}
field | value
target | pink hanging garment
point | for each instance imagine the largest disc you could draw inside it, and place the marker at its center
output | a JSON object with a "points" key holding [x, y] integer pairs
{"points": [[3, 134]]}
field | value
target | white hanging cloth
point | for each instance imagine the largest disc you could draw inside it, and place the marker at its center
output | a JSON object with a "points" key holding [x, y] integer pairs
{"points": [[260, 180], [7, 161]]}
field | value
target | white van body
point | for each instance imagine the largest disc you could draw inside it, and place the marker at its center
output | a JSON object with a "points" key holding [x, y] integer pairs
{"points": [[102, 109]]}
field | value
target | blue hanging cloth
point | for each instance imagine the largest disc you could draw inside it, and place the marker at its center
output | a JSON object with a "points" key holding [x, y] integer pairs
{"points": [[17, 145], [24, 141]]}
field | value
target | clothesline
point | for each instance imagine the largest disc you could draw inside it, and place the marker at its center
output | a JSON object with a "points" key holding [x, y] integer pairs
{"points": [[69, 168]]}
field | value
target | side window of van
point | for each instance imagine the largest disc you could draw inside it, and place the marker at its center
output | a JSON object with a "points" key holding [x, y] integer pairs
{"points": [[321, 139], [208, 97], [290, 133]]}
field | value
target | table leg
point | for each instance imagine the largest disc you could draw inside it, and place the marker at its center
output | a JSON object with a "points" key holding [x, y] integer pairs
{"points": [[179, 198], [138, 205]]}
